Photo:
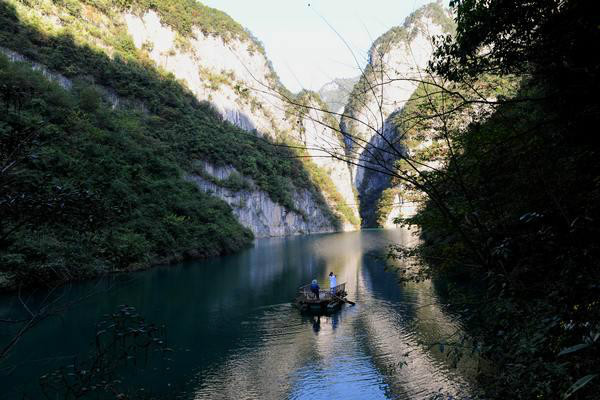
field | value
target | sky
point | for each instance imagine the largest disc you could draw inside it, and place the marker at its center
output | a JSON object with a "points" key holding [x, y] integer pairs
{"points": [[300, 35]]}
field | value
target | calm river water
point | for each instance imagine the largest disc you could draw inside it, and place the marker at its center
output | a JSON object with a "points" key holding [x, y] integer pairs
{"points": [[236, 335]]}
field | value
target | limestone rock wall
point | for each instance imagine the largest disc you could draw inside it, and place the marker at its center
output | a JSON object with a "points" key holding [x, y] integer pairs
{"points": [[238, 80], [397, 63], [255, 210]]}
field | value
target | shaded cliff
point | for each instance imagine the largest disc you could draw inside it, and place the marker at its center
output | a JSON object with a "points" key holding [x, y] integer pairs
{"points": [[396, 65]]}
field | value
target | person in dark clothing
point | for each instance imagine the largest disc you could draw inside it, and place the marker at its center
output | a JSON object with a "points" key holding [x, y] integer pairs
{"points": [[314, 287]]}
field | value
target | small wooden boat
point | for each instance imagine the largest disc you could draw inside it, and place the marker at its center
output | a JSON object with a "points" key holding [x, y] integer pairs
{"points": [[328, 301]]}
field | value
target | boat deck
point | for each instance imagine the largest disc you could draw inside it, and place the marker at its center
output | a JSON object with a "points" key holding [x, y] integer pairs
{"points": [[328, 300]]}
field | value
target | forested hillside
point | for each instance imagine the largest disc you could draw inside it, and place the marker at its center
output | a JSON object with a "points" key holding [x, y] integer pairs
{"points": [[98, 144], [396, 67]]}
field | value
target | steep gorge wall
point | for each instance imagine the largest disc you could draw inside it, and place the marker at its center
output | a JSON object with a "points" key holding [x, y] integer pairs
{"points": [[237, 79], [254, 208], [397, 62], [233, 74], [230, 71]]}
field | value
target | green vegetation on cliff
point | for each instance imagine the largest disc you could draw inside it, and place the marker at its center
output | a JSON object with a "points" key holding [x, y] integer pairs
{"points": [[182, 15], [127, 134], [142, 210]]}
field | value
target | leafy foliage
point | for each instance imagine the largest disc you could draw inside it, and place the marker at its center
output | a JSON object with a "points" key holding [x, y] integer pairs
{"points": [[135, 181], [538, 35], [523, 192]]}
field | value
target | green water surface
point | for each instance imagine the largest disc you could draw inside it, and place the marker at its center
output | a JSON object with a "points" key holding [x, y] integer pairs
{"points": [[236, 335]]}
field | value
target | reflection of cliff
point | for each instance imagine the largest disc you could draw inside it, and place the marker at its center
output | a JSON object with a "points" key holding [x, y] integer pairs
{"points": [[259, 371], [359, 350], [292, 348], [402, 327]]}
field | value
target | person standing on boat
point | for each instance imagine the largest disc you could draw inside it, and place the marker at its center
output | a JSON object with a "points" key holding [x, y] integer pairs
{"points": [[314, 287], [332, 283]]}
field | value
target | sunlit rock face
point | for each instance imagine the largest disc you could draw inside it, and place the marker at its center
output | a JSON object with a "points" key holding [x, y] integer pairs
{"points": [[336, 93], [320, 136], [255, 210], [238, 80], [232, 74], [396, 65]]}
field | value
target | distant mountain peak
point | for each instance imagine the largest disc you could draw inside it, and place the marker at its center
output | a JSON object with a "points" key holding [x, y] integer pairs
{"points": [[335, 93]]}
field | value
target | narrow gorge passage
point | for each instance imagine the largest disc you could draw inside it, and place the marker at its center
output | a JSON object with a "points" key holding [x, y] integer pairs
{"points": [[177, 175]]}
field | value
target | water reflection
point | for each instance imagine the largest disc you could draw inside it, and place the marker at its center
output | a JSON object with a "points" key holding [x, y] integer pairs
{"points": [[236, 334]]}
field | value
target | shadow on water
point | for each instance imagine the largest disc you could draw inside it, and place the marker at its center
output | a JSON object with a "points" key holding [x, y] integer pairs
{"points": [[236, 334]]}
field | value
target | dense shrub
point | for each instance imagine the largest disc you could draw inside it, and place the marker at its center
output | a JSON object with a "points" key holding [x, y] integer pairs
{"points": [[524, 193], [144, 146], [146, 212]]}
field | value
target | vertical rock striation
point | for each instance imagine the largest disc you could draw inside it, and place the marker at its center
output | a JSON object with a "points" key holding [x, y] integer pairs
{"points": [[236, 77], [397, 61], [254, 208]]}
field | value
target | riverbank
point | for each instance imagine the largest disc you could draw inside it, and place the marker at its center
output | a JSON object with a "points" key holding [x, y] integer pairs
{"points": [[10, 283]]}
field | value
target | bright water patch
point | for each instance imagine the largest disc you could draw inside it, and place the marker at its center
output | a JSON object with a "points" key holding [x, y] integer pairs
{"points": [[236, 334]]}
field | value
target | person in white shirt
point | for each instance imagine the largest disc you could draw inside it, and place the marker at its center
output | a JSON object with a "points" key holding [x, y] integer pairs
{"points": [[332, 282]]}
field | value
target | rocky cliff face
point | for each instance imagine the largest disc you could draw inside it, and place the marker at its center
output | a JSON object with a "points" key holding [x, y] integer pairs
{"points": [[335, 93], [229, 74], [255, 209], [397, 61], [235, 76]]}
